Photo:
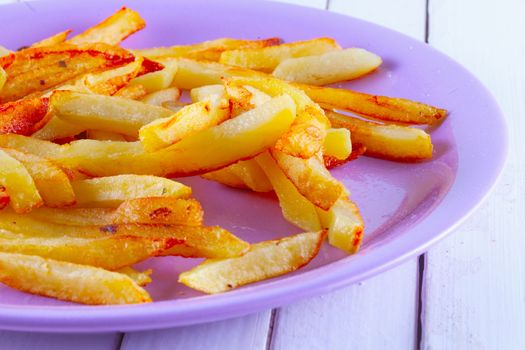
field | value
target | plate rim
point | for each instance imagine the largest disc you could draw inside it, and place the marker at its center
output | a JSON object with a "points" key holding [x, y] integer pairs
{"points": [[54, 319]]}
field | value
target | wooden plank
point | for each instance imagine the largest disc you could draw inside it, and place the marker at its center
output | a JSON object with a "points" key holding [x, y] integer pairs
{"points": [[474, 295], [380, 313], [41, 341], [247, 332]]}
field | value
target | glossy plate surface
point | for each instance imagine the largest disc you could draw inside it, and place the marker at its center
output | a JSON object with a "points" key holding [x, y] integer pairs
{"points": [[406, 207]]}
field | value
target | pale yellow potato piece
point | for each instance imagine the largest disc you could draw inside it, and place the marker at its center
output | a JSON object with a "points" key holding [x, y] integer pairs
{"points": [[243, 174], [132, 92], [69, 282], [157, 98], [345, 225], [111, 30], [107, 113], [264, 260], [207, 50], [23, 193], [150, 210], [378, 107], [104, 135], [240, 138], [57, 128], [401, 143], [52, 183], [337, 143], [311, 178], [202, 93], [158, 80], [266, 59], [189, 120], [113, 190], [328, 68], [296, 208]]}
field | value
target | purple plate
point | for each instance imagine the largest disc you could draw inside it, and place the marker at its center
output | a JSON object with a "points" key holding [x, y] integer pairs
{"points": [[406, 207]]}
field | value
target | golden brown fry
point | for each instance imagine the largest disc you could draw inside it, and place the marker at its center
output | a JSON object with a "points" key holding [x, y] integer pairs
{"points": [[207, 50], [337, 143], [111, 191], [345, 225], [16, 179], [264, 260], [296, 208], [56, 39], [132, 92], [379, 107], [157, 80], [39, 69], [328, 68], [57, 129], [267, 58], [311, 178], [51, 181], [393, 142], [141, 278], [245, 174], [331, 162], [69, 282], [3, 77], [23, 117], [226, 176], [107, 113], [188, 121], [113, 29]]}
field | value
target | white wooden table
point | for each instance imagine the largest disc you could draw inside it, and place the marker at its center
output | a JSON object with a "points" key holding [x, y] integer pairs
{"points": [[467, 292]]}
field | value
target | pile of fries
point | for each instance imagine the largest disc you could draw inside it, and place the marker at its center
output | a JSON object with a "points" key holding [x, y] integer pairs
{"points": [[91, 135]]}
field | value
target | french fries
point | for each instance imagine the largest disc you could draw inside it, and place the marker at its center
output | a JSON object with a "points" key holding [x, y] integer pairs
{"points": [[328, 68], [395, 142], [113, 29], [23, 194], [52, 183], [296, 208], [379, 107], [267, 58], [69, 282], [208, 50], [111, 191], [90, 134], [264, 260], [106, 113]]}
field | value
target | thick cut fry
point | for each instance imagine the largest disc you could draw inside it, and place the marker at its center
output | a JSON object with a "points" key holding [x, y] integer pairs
{"points": [[141, 278], [44, 149], [158, 80], [57, 129], [379, 107], [23, 117], [151, 210], [226, 176], [345, 225], [110, 252], [189, 120], [157, 98], [4, 197], [56, 39], [113, 190], [51, 181], [394, 142], [202, 93], [267, 58], [36, 70], [16, 179], [296, 208], [69, 282], [331, 162], [305, 137], [3, 77], [208, 50], [113, 29], [311, 179], [328, 68], [105, 135], [244, 98], [107, 113], [264, 260], [337, 143]]}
